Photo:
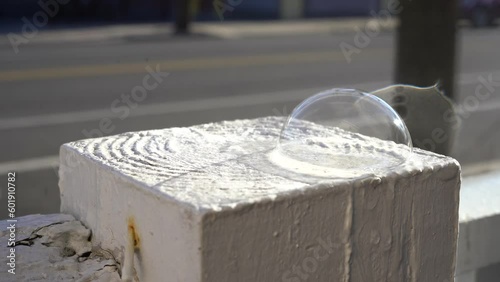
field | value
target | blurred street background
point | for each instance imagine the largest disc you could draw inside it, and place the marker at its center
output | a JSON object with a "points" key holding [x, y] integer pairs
{"points": [[72, 77]]}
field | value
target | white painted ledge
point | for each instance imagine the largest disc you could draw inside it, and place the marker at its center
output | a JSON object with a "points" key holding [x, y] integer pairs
{"points": [[479, 236], [205, 204]]}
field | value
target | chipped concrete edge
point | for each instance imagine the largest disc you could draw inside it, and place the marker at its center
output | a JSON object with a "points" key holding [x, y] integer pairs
{"points": [[55, 247]]}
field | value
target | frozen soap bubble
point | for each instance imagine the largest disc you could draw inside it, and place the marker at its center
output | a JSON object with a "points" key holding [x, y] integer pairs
{"points": [[342, 133]]}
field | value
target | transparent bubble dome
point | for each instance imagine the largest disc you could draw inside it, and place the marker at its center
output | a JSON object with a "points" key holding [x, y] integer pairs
{"points": [[342, 133]]}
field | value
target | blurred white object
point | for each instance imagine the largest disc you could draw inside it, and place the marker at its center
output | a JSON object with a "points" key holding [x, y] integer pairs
{"points": [[428, 114]]}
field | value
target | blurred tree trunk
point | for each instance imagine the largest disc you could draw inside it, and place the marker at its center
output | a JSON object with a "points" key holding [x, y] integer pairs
{"points": [[182, 16], [426, 43]]}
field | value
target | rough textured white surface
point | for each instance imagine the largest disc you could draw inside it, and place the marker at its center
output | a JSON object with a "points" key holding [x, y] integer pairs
{"points": [[479, 239], [209, 205], [55, 248]]}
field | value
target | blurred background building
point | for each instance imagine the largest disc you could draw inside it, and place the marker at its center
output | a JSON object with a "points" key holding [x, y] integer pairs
{"points": [[163, 10], [481, 12]]}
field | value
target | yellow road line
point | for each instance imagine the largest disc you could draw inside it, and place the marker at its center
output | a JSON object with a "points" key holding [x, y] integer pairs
{"points": [[172, 65]]}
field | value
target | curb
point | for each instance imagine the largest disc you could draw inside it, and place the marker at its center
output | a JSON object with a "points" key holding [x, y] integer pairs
{"points": [[223, 30]]}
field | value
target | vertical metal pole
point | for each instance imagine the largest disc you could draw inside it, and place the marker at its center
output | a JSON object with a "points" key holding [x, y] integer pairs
{"points": [[426, 43], [182, 17]]}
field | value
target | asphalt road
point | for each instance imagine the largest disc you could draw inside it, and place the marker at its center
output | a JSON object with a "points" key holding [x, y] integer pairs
{"points": [[55, 93]]}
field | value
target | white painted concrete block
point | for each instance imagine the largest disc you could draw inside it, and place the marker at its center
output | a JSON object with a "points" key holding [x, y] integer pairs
{"points": [[207, 205]]}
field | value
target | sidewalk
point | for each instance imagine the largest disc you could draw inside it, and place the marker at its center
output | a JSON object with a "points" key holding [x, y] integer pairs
{"points": [[224, 30], [288, 28]]}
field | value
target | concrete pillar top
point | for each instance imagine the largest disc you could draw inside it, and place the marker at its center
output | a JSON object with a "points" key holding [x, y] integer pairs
{"points": [[220, 165]]}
